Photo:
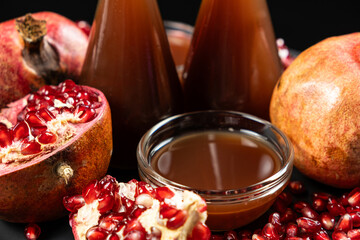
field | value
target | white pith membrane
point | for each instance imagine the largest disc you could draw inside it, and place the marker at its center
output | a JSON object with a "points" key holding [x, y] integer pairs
{"points": [[88, 215], [65, 127]]}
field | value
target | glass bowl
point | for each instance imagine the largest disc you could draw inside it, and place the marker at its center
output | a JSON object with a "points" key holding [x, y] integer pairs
{"points": [[227, 208]]}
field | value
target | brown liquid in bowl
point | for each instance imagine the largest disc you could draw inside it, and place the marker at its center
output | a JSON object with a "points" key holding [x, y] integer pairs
{"points": [[216, 160]]}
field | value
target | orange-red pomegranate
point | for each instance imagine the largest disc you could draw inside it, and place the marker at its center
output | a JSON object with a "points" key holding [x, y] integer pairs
{"points": [[38, 49], [113, 210], [317, 104], [52, 143]]}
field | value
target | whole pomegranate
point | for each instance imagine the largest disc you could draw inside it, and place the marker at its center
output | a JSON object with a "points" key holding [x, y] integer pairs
{"points": [[113, 210], [316, 102], [52, 143], [38, 49]]}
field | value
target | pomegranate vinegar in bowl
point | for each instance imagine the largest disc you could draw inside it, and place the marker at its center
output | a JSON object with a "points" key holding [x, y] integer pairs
{"points": [[237, 162]]}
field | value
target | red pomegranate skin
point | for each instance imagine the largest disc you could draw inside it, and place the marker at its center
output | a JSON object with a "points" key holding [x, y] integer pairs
{"points": [[17, 78], [33, 191], [317, 103]]}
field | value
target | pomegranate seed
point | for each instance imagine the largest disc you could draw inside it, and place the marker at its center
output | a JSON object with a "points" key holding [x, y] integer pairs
{"points": [[335, 208], [128, 204], [36, 131], [47, 137], [321, 235], [95, 105], [258, 237], [108, 224], [135, 235], [96, 233], [32, 231], [30, 147], [291, 230], [269, 231], [344, 200], [91, 191], [178, 220], [274, 219], [230, 235], [163, 192], [133, 225], [288, 216], [354, 197], [74, 203], [119, 217], [6, 137], [34, 120], [106, 203], [137, 211], [145, 188], [310, 225], [167, 211], [344, 223], [327, 221], [300, 205], [297, 187], [85, 114], [354, 234], [113, 236], [339, 235], [83, 95], [45, 114], [66, 85], [201, 232], [309, 213], [355, 218], [20, 131], [319, 204]]}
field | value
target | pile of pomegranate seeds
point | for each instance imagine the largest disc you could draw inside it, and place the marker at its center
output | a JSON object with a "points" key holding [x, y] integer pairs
{"points": [[325, 217], [136, 211], [42, 120]]}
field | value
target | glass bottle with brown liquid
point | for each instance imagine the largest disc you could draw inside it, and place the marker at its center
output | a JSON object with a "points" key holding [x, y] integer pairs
{"points": [[129, 59], [233, 62]]}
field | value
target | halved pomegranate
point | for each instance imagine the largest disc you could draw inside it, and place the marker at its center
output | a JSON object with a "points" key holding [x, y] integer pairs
{"points": [[52, 143], [107, 209]]}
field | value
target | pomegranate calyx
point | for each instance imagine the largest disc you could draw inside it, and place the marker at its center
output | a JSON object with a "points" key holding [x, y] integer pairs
{"points": [[30, 29], [38, 52]]}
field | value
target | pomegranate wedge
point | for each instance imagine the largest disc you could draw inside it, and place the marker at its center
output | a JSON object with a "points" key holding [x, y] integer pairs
{"points": [[52, 143], [107, 209]]}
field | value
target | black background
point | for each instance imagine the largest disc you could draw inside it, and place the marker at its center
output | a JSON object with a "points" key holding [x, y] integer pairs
{"points": [[301, 23]]}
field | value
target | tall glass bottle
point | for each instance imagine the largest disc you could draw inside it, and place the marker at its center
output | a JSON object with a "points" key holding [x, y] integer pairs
{"points": [[129, 59], [233, 61]]}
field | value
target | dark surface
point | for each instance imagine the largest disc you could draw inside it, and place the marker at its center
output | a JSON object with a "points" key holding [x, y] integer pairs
{"points": [[300, 23], [60, 229]]}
